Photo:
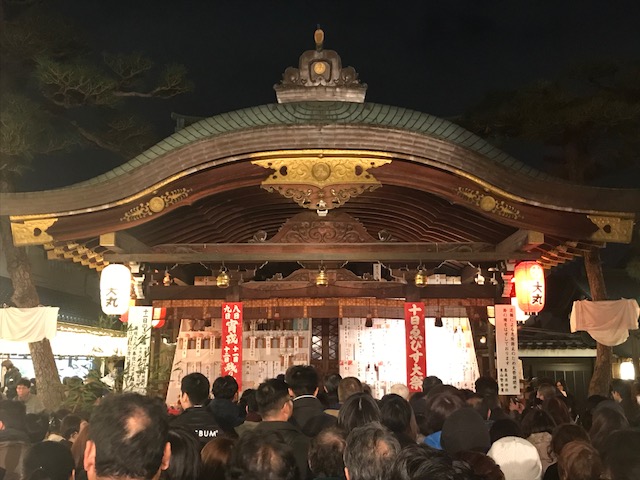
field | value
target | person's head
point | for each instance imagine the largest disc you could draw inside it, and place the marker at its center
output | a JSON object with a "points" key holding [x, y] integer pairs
{"points": [[215, 457], [486, 386], [37, 426], [605, 421], [194, 389], [248, 400], [417, 462], [274, 401], [128, 438], [439, 407], [565, 433], [620, 456], [347, 387], [483, 466], [225, 387], [262, 456], [546, 391], [536, 421], [517, 458], [561, 385], [326, 453], [331, 383], [465, 429], [23, 388], [358, 410], [621, 390], [505, 427], [48, 461], [302, 380], [12, 415], [400, 389], [579, 461], [429, 382], [369, 452], [185, 461], [395, 414], [70, 426], [557, 409], [8, 364]]}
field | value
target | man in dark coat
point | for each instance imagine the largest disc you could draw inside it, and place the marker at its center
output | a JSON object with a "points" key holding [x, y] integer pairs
{"points": [[308, 411], [275, 406], [11, 377], [224, 405], [196, 417], [14, 441]]}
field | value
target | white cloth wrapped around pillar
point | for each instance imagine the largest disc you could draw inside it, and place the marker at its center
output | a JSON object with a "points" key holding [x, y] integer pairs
{"points": [[28, 324], [608, 321]]}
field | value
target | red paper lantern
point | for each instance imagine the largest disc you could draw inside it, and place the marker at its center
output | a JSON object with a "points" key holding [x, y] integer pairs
{"points": [[530, 289], [159, 317]]}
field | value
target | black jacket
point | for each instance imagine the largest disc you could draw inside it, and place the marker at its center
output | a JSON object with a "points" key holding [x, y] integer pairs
{"points": [[309, 417], [227, 414], [293, 437], [200, 421]]}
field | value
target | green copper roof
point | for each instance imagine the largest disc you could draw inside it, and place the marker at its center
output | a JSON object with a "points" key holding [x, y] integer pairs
{"points": [[322, 113]]}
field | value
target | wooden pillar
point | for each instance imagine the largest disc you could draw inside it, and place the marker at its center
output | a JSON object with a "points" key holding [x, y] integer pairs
{"points": [[601, 379]]}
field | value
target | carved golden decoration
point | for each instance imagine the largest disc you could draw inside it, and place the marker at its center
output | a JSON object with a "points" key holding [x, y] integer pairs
{"points": [[612, 229], [156, 204], [32, 232], [76, 252], [489, 203], [319, 182], [307, 227]]}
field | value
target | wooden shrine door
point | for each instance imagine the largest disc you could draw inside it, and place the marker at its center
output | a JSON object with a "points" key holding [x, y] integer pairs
{"points": [[325, 345]]}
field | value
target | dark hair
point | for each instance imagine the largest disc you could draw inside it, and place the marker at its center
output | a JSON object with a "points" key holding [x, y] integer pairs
{"points": [[130, 432], [37, 426], [47, 460], [505, 427], [429, 382], [547, 391], [196, 387], [565, 433], [605, 421], [262, 456], [536, 421], [416, 462], [347, 387], [70, 425], [557, 408], [215, 457], [620, 456], [439, 407], [248, 399], [13, 414], [185, 456], [331, 383], [486, 386], [302, 379], [628, 401], [579, 461], [483, 466], [271, 396], [395, 414], [224, 387], [358, 410], [25, 382], [326, 453], [370, 452]]}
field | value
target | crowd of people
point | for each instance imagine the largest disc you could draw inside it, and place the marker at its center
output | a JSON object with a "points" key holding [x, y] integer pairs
{"points": [[301, 427]]}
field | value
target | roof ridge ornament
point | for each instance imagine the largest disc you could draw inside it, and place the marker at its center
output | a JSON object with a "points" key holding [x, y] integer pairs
{"points": [[320, 77]]}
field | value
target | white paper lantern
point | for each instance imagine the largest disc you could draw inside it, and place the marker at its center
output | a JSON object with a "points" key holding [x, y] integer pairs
{"points": [[115, 289]]}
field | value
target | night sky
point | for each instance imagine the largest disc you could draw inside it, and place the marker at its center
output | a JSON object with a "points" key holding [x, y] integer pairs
{"points": [[439, 57]]}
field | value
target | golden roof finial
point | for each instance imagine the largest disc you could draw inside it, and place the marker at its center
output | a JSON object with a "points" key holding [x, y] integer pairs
{"points": [[318, 36]]}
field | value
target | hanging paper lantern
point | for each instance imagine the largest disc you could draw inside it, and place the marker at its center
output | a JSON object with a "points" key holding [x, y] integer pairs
{"points": [[115, 289], [530, 292], [159, 317]]}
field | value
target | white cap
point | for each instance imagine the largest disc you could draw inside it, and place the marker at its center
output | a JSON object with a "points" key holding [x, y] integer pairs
{"points": [[518, 459]]}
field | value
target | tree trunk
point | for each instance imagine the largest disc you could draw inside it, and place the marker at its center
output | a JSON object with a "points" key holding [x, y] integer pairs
{"points": [[24, 296], [601, 379]]}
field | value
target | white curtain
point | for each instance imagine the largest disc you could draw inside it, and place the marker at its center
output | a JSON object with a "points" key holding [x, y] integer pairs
{"points": [[608, 321], [28, 324]]}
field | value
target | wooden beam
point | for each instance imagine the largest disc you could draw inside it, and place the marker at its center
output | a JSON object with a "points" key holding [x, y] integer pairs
{"points": [[521, 241], [293, 252], [122, 242]]}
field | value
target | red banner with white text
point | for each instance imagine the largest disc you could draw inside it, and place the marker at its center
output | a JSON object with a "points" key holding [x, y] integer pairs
{"points": [[416, 351], [231, 343]]}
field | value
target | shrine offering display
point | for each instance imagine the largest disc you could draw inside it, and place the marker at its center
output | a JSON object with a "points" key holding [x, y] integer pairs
{"points": [[231, 340], [136, 367], [415, 344]]}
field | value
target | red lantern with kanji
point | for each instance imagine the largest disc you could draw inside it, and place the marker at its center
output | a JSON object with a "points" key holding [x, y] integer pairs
{"points": [[530, 289]]}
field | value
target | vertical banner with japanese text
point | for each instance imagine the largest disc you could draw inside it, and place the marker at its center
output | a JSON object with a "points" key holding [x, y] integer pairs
{"points": [[232, 341], [136, 372], [507, 350], [415, 340]]}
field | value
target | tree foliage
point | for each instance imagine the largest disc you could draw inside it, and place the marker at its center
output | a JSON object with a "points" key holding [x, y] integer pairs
{"points": [[588, 119]]}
